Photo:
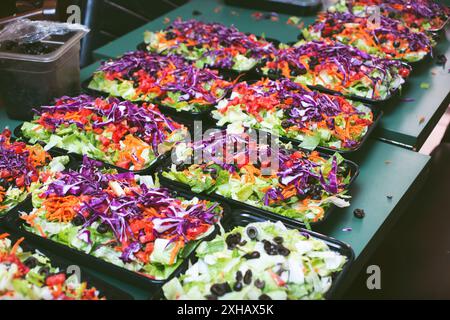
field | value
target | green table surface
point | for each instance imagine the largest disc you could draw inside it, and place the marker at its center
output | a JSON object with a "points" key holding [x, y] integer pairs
{"points": [[404, 123], [385, 170]]}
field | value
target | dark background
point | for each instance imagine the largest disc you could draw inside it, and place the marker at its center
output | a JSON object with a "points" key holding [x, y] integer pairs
{"points": [[108, 19]]}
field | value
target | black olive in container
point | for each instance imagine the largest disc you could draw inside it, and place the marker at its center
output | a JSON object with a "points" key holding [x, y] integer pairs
{"points": [[30, 80]]}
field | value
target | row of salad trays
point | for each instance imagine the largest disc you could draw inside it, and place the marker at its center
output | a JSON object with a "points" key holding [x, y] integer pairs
{"points": [[127, 226], [164, 232], [346, 51], [286, 181], [180, 72], [321, 63], [124, 223], [281, 107]]}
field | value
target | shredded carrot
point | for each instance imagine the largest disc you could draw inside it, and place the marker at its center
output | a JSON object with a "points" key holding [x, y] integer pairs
{"points": [[175, 251], [41, 231], [4, 235], [16, 245], [61, 209]]}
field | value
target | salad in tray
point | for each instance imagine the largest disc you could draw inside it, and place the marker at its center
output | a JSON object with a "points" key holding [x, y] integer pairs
{"points": [[389, 39], [26, 275], [290, 110], [23, 166], [295, 184], [210, 44], [338, 67], [419, 15], [121, 218], [169, 80], [261, 261], [117, 132]]}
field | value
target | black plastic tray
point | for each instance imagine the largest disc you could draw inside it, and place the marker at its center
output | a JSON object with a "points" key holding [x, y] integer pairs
{"points": [[54, 153], [16, 224], [181, 115], [142, 46], [291, 7], [370, 101], [441, 28], [376, 120], [352, 168], [78, 157], [242, 217], [335, 93], [105, 289], [229, 74], [377, 114]]}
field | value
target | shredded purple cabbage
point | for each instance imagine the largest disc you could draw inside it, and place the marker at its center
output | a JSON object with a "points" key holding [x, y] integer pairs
{"points": [[117, 211], [147, 121]]}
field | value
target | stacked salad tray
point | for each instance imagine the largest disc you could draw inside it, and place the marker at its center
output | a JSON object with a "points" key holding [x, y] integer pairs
{"points": [[106, 178], [42, 271]]}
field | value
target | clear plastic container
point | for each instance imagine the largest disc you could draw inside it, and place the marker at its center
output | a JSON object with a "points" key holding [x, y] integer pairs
{"points": [[28, 81]]}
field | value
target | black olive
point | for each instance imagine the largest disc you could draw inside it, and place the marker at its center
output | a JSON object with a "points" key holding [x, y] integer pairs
{"points": [[270, 248], [260, 284], [274, 72], [264, 297], [211, 297], [316, 192], [252, 233], [396, 44], [219, 289], [199, 46], [293, 73], [233, 240], [301, 71], [285, 124], [252, 255], [283, 251], [313, 62], [331, 23], [441, 59], [103, 228], [304, 195], [239, 276], [359, 213], [170, 35], [278, 240], [300, 36], [237, 286], [248, 277], [391, 15], [45, 271], [181, 166], [31, 262], [77, 221], [414, 25]]}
